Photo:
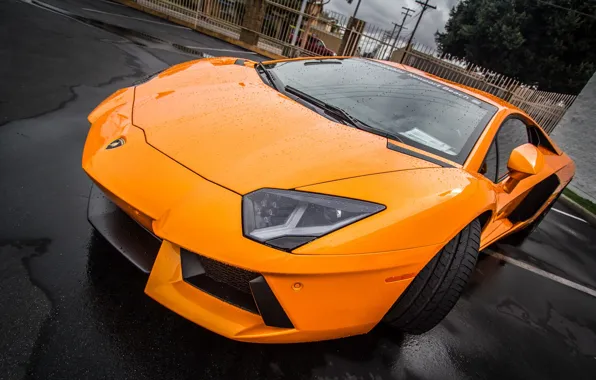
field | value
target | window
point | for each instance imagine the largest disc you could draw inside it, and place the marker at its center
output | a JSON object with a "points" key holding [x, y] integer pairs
{"points": [[420, 111], [512, 134], [489, 166], [538, 138]]}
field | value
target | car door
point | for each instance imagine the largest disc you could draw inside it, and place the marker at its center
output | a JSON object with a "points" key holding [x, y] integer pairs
{"points": [[512, 133]]}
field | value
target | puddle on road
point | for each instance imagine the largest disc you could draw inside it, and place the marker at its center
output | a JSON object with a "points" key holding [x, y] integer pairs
{"points": [[134, 36]]}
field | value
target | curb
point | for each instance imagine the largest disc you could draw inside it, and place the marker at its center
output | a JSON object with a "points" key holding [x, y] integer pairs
{"points": [[588, 216]]}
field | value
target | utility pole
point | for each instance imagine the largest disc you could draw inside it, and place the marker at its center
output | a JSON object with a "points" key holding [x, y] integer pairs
{"points": [[298, 23], [385, 36], [425, 6], [357, 6], [401, 26], [395, 25]]}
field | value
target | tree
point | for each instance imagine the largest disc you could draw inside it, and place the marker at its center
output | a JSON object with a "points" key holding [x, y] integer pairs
{"points": [[526, 39]]}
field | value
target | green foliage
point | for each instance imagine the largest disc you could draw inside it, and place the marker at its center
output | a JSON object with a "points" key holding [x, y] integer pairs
{"points": [[585, 203], [526, 39]]}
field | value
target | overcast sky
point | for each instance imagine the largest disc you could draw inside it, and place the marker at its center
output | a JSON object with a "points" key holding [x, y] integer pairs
{"points": [[384, 12]]}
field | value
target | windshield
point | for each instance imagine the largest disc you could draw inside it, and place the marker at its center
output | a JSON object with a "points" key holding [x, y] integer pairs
{"points": [[416, 110]]}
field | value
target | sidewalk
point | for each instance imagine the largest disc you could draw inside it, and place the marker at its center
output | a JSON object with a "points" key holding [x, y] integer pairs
{"points": [[581, 203]]}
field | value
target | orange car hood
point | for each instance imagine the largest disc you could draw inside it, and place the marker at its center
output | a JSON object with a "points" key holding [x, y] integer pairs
{"points": [[220, 120]]}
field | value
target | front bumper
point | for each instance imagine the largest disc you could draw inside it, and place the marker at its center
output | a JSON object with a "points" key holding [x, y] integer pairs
{"points": [[320, 307], [244, 289], [322, 296], [130, 238]]}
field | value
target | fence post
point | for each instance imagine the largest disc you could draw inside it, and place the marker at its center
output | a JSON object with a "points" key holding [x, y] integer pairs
{"points": [[351, 37], [197, 12], [406, 52], [298, 23], [253, 21]]}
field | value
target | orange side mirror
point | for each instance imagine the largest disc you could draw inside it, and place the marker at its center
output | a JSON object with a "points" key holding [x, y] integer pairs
{"points": [[524, 161]]}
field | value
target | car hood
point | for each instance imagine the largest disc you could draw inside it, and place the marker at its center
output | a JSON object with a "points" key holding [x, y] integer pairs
{"points": [[218, 118]]}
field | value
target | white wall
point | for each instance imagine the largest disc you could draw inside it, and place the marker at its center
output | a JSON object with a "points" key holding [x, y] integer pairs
{"points": [[576, 135]]}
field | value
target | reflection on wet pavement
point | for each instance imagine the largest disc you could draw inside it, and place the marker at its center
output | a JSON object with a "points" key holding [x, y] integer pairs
{"points": [[139, 38]]}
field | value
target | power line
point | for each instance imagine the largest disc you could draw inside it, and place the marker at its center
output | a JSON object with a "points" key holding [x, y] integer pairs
{"points": [[425, 6], [386, 36], [401, 26], [413, 17], [567, 9], [407, 36]]}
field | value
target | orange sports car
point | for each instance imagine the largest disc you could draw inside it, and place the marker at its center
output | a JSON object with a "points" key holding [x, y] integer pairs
{"points": [[310, 199]]}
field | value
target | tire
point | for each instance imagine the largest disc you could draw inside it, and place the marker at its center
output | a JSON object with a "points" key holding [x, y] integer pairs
{"points": [[436, 289]]}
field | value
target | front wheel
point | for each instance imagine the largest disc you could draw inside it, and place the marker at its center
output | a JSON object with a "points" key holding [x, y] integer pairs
{"points": [[436, 289]]}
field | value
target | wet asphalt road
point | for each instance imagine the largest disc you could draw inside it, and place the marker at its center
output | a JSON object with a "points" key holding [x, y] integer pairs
{"points": [[73, 308]]}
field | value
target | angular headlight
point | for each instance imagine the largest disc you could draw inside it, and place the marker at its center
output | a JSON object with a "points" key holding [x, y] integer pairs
{"points": [[287, 219]]}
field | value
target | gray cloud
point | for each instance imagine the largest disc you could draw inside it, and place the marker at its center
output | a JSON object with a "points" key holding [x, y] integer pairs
{"points": [[383, 12]]}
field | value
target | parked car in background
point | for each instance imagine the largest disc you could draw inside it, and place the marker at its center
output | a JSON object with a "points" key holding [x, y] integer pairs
{"points": [[314, 45]]}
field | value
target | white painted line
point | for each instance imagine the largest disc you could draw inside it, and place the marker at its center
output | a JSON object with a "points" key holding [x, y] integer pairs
{"points": [[540, 272], [569, 215], [135, 18], [215, 49]]}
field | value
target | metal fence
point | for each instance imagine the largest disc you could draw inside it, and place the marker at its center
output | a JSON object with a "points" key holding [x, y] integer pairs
{"points": [[271, 25], [278, 24], [547, 108]]}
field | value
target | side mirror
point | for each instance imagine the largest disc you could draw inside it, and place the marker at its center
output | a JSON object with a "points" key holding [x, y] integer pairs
{"points": [[524, 161]]}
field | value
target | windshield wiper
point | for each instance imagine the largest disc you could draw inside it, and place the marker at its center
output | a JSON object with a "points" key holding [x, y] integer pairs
{"points": [[329, 108], [272, 78], [340, 114]]}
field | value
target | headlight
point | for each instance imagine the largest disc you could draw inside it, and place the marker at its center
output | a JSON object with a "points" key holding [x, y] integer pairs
{"points": [[287, 219]]}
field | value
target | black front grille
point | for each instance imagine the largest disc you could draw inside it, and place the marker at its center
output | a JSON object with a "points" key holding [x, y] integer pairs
{"points": [[238, 287], [227, 274], [223, 281]]}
